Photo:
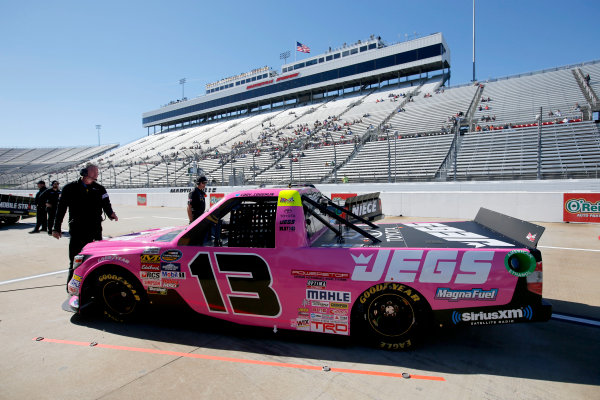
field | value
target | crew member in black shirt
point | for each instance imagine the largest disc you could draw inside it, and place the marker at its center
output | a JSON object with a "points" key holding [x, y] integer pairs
{"points": [[196, 201], [85, 200], [51, 196], [41, 221]]}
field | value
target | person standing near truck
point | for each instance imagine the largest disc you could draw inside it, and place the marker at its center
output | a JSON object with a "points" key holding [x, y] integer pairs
{"points": [[41, 220], [85, 200], [51, 196], [196, 200]]}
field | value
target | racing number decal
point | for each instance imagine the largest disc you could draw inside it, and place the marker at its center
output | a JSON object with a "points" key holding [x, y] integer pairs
{"points": [[201, 268], [249, 279]]}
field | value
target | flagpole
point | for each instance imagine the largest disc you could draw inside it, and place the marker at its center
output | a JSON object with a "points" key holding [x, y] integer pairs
{"points": [[295, 51]]}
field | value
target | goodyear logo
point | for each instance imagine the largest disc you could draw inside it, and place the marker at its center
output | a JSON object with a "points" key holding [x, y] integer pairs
{"points": [[289, 198]]}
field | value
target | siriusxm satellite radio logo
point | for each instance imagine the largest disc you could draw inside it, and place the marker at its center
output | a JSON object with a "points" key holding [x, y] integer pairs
{"points": [[495, 317]]}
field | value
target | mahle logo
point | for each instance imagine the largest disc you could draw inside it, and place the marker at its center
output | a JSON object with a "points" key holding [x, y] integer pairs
{"points": [[575, 206]]}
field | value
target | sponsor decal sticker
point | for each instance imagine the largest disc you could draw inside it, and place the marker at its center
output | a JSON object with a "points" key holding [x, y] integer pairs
{"points": [[494, 317], [329, 327], [77, 277], [150, 267], [302, 324], [320, 304], [335, 311], [169, 266], [157, 290], [341, 306], [329, 295], [297, 273], [150, 258], [289, 198], [170, 283], [431, 266], [149, 275], [452, 234], [171, 255], [172, 274], [313, 283], [113, 258], [473, 294], [151, 282], [151, 250]]}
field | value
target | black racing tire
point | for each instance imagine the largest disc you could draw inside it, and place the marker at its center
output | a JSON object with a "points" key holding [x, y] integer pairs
{"points": [[121, 297], [391, 316]]}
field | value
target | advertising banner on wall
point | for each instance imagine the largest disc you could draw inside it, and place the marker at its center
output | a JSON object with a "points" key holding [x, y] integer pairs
{"points": [[141, 199], [215, 198], [340, 200], [581, 207]]}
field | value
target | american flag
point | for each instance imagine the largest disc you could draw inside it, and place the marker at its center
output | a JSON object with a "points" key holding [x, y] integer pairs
{"points": [[302, 48]]}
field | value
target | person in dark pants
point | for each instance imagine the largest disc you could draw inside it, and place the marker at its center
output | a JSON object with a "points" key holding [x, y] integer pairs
{"points": [[196, 201], [85, 200], [41, 221], [52, 195]]}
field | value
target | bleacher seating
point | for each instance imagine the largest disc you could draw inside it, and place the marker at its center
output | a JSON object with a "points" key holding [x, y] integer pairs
{"points": [[400, 131]]}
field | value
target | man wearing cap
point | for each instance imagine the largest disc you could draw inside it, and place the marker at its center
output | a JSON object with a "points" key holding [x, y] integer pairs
{"points": [[196, 202], [41, 222], [86, 200], [51, 196]]}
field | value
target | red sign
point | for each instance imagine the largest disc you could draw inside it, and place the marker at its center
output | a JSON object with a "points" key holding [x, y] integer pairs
{"points": [[340, 200], [283, 78], [141, 199], [215, 198], [581, 207]]}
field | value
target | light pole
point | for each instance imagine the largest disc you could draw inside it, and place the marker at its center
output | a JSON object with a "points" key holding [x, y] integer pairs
{"points": [[387, 135], [182, 83], [334, 157], [284, 56], [98, 129], [167, 165]]}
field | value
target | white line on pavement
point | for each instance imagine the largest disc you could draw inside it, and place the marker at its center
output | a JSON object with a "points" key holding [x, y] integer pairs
{"points": [[32, 277], [567, 248], [580, 320]]}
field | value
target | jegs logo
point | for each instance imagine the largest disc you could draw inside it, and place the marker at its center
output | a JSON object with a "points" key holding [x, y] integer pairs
{"points": [[433, 266]]}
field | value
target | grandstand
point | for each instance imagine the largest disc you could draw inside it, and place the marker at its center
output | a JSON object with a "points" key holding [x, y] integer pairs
{"points": [[374, 113], [21, 166]]}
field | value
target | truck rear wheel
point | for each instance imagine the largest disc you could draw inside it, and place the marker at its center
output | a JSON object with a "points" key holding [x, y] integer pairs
{"points": [[391, 316]]}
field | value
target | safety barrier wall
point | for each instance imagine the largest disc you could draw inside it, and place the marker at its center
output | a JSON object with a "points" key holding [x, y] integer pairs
{"points": [[528, 200]]}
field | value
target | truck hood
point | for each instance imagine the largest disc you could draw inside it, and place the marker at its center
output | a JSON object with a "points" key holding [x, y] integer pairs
{"points": [[133, 240]]}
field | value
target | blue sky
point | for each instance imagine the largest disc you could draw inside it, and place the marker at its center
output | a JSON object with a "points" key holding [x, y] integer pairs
{"points": [[66, 66]]}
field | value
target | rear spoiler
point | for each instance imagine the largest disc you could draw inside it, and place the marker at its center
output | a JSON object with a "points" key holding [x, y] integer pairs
{"points": [[522, 232]]}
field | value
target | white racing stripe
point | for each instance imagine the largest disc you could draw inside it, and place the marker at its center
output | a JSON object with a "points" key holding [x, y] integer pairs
{"points": [[567, 248], [578, 320], [32, 277]]}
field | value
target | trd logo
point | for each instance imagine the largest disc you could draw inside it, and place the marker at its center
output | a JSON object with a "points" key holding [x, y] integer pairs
{"points": [[328, 327]]}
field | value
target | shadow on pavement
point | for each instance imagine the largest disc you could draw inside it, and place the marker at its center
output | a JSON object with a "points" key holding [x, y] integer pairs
{"points": [[553, 351]]}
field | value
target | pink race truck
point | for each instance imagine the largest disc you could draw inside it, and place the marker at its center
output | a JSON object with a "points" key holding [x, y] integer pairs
{"points": [[290, 258]]}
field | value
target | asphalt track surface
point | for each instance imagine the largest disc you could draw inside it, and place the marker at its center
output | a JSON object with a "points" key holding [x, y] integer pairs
{"points": [[47, 353]]}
